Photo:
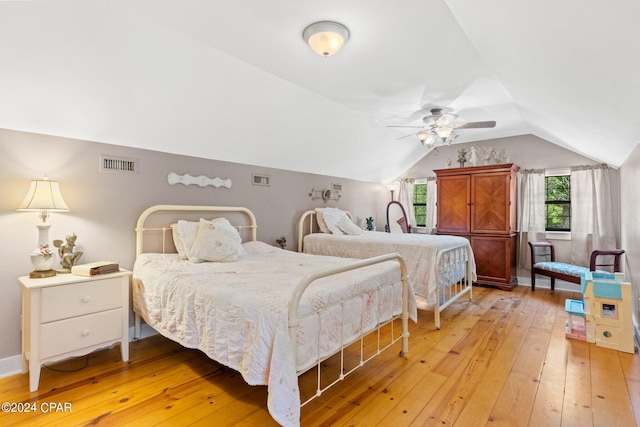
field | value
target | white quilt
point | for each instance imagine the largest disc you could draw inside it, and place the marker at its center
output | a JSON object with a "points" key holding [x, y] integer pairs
{"points": [[418, 250], [236, 312]]}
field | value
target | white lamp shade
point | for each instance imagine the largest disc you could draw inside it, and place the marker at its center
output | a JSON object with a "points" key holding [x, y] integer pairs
{"points": [[44, 195], [326, 37]]}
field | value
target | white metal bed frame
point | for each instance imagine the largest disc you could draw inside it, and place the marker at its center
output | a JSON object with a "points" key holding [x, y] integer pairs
{"points": [[294, 319], [450, 262]]}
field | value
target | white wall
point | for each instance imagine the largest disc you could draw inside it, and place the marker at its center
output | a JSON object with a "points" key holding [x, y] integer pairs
{"points": [[105, 206], [630, 225]]}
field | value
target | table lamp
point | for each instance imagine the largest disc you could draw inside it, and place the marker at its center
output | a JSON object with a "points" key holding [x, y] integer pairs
{"points": [[43, 196]]}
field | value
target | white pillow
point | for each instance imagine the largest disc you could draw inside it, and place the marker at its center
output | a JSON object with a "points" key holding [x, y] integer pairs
{"points": [[223, 222], [332, 217], [348, 227], [215, 242], [184, 232], [320, 219]]}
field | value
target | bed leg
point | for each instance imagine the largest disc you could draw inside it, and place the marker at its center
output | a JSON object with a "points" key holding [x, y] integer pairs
{"points": [[436, 315], [136, 326]]}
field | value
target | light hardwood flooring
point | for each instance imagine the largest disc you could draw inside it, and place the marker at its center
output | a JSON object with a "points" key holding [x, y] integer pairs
{"points": [[500, 360]]}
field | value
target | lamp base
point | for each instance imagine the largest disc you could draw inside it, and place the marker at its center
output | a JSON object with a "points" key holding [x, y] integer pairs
{"points": [[41, 274]]}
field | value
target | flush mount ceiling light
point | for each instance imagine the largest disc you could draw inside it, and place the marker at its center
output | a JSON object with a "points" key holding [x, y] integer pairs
{"points": [[326, 37]]}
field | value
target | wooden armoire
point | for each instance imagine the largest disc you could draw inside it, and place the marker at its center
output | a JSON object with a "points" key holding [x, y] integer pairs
{"points": [[479, 203]]}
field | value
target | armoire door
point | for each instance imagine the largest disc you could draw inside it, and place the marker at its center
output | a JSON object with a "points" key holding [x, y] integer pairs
{"points": [[490, 203], [454, 206]]}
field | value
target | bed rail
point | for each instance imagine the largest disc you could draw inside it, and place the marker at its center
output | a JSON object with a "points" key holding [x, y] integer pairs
{"points": [[294, 320], [454, 278]]}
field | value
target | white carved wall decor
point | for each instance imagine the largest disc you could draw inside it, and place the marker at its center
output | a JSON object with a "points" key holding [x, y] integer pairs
{"points": [[201, 181]]}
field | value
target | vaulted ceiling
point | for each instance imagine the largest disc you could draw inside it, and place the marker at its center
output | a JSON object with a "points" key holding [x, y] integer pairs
{"points": [[234, 81]]}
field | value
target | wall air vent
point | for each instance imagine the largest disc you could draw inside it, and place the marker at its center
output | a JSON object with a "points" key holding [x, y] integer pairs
{"points": [[118, 164], [260, 179]]}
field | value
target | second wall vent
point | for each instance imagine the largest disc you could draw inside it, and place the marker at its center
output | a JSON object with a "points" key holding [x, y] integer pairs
{"points": [[118, 164], [260, 179]]}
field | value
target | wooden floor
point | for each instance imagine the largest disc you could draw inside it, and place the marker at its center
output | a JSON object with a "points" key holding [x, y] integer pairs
{"points": [[501, 360]]}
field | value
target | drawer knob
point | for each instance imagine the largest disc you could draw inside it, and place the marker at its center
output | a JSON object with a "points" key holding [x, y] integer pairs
{"points": [[85, 333], [86, 298]]}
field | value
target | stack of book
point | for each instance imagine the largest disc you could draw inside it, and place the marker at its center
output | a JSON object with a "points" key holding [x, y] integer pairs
{"points": [[93, 268]]}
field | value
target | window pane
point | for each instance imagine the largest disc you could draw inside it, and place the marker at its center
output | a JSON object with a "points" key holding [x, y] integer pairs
{"points": [[420, 194], [558, 203], [420, 204], [421, 215]]}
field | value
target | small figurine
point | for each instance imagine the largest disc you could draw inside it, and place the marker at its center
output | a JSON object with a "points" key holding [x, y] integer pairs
{"points": [[68, 258], [370, 223], [462, 157], [474, 155]]}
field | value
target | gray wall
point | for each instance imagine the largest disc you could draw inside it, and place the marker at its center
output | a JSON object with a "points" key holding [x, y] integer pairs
{"points": [[104, 206]]}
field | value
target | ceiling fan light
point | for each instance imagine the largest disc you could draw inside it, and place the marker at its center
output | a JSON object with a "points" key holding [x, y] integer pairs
{"points": [[444, 132], [427, 138], [451, 137], [326, 37]]}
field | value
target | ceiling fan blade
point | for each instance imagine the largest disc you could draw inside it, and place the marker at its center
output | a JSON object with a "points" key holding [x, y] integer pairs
{"points": [[445, 119], [406, 136], [406, 126], [474, 125]]}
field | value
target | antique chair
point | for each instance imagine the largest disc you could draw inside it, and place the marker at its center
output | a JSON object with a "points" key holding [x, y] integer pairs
{"points": [[400, 214], [543, 262]]}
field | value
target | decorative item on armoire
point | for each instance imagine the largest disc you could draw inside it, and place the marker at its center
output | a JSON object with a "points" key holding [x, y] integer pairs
{"points": [[68, 257], [462, 159], [370, 226], [43, 196]]}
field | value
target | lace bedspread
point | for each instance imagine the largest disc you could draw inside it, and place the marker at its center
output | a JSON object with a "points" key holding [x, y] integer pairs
{"points": [[418, 250], [236, 312]]}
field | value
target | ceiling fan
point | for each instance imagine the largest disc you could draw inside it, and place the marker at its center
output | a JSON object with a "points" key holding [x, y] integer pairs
{"points": [[439, 127]]}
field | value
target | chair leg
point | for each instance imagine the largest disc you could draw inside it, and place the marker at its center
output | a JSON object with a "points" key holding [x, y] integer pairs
{"points": [[533, 281], [553, 283]]}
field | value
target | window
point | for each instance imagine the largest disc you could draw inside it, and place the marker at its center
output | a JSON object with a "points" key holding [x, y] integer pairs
{"points": [[420, 203], [558, 202]]}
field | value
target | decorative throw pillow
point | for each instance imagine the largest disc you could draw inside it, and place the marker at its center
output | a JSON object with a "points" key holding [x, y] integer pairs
{"points": [[348, 227], [320, 219], [215, 243], [184, 232], [223, 222], [332, 217]]}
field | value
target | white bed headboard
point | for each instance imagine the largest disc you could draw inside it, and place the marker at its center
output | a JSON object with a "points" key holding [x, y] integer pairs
{"points": [[308, 224], [178, 212]]}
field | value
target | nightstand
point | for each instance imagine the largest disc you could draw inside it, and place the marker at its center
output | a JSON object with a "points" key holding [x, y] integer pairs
{"points": [[68, 315]]}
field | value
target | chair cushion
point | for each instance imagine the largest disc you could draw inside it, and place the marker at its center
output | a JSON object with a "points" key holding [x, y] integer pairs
{"points": [[561, 267]]}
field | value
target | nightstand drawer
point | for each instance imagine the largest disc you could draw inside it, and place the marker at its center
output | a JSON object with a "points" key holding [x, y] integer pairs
{"points": [[65, 301], [71, 334]]}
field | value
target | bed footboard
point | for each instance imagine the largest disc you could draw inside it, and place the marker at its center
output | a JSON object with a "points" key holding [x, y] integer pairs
{"points": [[454, 278], [294, 320]]}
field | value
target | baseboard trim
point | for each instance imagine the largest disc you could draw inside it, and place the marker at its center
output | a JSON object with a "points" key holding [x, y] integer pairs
{"points": [[544, 283], [10, 366]]}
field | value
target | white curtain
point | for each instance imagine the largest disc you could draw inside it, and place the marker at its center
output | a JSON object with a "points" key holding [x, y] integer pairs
{"points": [[532, 212], [430, 222], [592, 225], [405, 197]]}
